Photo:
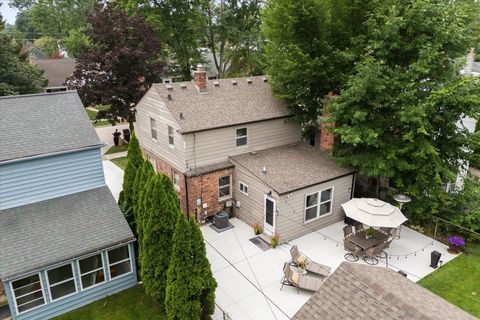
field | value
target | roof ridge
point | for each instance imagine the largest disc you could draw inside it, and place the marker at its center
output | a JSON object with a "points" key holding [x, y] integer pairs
{"points": [[37, 94], [212, 80]]}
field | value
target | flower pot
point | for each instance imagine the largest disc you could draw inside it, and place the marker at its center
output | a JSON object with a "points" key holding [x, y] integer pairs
{"points": [[453, 249]]}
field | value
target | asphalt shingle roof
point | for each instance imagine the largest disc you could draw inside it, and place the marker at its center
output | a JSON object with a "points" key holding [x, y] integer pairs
{"points": [[361, 292], [48, 123], [291, 167], [221, 106], [55, 70], [40, 234]]}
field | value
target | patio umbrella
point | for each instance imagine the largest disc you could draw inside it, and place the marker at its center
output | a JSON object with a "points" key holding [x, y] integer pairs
{"points": [[374, 212]]}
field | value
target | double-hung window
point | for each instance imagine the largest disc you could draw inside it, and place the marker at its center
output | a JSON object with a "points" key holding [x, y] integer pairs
{"points": [[176, 179], [61, 281], [318, 204], [153, 128], [243, 188], [91, 271], [119, 261], [28, 293], [171, 137], [241, 137], [224, 188]]}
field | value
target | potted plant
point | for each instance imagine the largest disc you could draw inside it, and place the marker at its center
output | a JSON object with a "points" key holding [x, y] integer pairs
{"points": [[274, 239], [455, 243], [257, 229], [370, 232]]}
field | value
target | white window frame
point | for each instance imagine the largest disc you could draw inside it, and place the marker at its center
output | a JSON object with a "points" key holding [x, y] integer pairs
{"points": [[153, 162], [229, 196], [63, 281], [153, 128], [129, 259], [241, 137], [171, 135], [84, 274], [242, 190], [15, 297], [319, 194], [176, 183]]}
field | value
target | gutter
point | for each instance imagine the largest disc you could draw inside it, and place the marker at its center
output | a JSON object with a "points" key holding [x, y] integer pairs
{"points": [[45, 155]]}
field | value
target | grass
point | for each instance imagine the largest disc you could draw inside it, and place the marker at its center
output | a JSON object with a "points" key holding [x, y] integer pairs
{"points": [[458, 281], [91, 114], [120, 162], [129, 304], [115, 149]]}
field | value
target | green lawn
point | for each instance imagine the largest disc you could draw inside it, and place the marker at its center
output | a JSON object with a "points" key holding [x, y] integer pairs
{"points": [[458, 282], [91, 114], [130, 304], [115, 149], [120, 162]]}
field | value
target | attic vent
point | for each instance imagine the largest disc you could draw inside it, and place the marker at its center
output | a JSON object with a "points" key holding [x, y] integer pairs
{"points": [[169, 96], [181, 115], [234, 82], [216, 83], [169, 87], [183, 86], [265, 79], [249, 81]]}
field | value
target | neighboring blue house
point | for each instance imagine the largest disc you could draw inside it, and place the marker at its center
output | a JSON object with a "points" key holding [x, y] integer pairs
{"points": [[63, 240]]}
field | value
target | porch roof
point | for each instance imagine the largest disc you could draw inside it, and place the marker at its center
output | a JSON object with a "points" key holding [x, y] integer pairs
{"points": [[291, 167], [37, 235]]}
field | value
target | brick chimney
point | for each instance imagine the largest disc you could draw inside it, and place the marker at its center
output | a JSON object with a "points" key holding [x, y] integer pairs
{"points": [[327, 138], [200, 79]]}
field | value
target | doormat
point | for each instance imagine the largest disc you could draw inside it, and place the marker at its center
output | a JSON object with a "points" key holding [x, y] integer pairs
{"points": [[259, 242]]}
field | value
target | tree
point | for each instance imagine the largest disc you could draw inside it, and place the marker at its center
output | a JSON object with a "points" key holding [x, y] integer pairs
{"points": [[310, 48], [47, 44], [134, 161], [202, 270], [398, 112], [159, 217], [142, 177], [122, 63], [24, 24], [76, 42], [16, 76]]}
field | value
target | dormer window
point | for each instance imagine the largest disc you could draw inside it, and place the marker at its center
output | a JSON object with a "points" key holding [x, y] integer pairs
{"points": [[241, 137]]}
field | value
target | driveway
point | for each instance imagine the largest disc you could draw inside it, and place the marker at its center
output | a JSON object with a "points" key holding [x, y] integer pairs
{"points": [[113, 177], [105, 134]]}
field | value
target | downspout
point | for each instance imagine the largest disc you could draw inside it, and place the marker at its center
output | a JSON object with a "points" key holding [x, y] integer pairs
{"points": [[353, 185], [186, 194]]}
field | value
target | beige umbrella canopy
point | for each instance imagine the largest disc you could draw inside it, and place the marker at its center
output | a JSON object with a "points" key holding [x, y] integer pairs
{"points": [[374, 212]]}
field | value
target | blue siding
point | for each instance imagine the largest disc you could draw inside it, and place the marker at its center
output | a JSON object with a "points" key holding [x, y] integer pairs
{"points": [[81, 298], [40, 179]]}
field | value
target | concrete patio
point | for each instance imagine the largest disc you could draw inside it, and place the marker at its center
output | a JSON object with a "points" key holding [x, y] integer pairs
{"points": [[249, 278]]}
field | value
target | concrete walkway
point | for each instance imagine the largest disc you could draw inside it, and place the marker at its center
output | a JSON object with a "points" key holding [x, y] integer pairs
{"points": [[106, 134], [113, 178], [115, 155]]}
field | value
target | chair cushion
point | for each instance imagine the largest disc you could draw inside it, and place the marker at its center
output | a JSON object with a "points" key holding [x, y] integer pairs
{"points": [[295, 278], [301, 259]]}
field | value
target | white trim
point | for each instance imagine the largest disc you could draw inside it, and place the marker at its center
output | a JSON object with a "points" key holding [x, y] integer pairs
{"points": [[115, 263], [240, 137], [63, 281], [270, 228], [229, 196], [240, 183], [89, 272], [15, 297], [318, 216]]}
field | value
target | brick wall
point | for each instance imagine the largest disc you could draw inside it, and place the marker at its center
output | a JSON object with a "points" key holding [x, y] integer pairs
{"points": [[204, 187]]}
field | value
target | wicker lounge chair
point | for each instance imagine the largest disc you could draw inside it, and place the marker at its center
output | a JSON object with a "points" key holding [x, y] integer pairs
{"points": [[353, 250], [347, 230], [371, 254], [310, 266], [299, 281]]}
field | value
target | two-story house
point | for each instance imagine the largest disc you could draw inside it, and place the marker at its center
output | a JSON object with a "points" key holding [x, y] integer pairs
{"points": [[63, 240], [230, 145]]}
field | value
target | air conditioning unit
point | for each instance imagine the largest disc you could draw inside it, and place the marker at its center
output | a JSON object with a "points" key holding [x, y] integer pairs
{"points": [[221, 220]]}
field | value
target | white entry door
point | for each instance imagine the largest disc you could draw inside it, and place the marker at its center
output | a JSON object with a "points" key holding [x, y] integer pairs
{"points": [[269, 215]]}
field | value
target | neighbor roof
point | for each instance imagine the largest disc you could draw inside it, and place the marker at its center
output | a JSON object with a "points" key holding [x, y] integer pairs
{"points": [[362, 292], [55, 70], [43, 233], [221, 106], [40, 124], [291, 167]]}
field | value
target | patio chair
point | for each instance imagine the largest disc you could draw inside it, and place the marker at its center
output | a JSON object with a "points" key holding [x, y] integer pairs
{"points": [[347, 231], [353, 250], [388, 231], [371, 254], [358, 226], [386, 245], [310, 266], [299, 281]]}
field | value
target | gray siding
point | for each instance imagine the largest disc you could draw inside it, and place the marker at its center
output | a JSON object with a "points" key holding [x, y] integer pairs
{"points": [[290, 211], [151, 106], [45, 178], [81, 298], [214, 146]]}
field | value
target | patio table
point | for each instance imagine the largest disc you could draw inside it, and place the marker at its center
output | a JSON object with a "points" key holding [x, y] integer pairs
{"points": [[360, 240]]}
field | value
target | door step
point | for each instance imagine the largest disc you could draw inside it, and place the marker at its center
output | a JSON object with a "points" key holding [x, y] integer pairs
{"points": [[264, 237]]}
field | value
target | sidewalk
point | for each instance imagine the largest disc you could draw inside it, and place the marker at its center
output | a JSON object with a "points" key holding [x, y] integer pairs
{"points": [[115, 155]]}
